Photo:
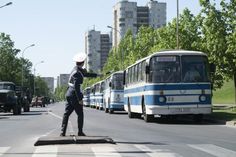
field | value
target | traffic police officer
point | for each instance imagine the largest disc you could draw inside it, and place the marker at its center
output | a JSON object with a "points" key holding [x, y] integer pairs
{"points": [[74, 94]]}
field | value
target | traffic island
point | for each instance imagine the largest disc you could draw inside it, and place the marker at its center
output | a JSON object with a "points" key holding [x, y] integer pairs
{"points": [[47, 140]]}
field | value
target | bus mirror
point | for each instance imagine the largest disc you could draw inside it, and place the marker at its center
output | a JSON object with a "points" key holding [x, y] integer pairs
{"points": [[109, 84], [124, 77], [147, 69], [212, 67]]}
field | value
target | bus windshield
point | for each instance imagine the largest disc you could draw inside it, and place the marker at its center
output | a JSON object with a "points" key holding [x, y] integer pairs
{"points": [[117, 82], [165, 69], [195, 69], [172, 69], [7, 86]]}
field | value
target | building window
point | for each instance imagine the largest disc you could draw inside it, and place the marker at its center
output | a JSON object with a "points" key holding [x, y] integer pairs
{"points": [[129, 14], [122, 24]]}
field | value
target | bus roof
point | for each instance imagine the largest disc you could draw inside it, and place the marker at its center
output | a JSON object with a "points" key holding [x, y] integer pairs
{"points": [[170, 52]]}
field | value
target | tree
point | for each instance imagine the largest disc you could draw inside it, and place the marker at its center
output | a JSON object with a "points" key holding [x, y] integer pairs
{"points": [[60, 93], [214, 39], [41, 88], [10, 65], [229, 15], [9, 69]]}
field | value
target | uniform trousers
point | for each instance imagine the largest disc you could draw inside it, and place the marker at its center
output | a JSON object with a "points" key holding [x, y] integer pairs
{"points": [[71, 105]]}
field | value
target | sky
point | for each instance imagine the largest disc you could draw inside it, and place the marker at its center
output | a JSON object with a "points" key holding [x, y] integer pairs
{"points": [[57, 28]]}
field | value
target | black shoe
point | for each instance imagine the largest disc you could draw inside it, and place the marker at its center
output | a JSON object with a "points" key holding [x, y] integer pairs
{"points": [[62, 134], [81, 134]]}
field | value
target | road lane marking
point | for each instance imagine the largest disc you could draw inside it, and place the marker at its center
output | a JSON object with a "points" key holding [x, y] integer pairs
{"points": [[55, 115], [214, 150], [48, 151], [105, 151], [157, 152], [71, 130], [3, 150]]}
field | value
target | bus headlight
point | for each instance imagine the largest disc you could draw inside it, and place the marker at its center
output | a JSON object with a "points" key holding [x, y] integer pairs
{"points": [[202, 98], [162, 99]]}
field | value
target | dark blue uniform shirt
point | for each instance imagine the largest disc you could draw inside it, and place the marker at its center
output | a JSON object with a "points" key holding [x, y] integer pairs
{"points": [[75, 80]]}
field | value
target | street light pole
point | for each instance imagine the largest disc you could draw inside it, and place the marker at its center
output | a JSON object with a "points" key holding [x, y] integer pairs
{"points": [[10, 3], [177, 25], [22, 67], [34, 73], [122, 52]]}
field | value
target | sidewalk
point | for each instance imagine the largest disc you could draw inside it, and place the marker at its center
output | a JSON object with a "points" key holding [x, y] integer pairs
{"points": [[227, 117]]}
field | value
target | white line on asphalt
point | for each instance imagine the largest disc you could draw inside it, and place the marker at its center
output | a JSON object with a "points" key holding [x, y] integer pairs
{"points": [[214, 150], [59, 117], [155, 153], [71, 130], [105, 151], [48, 151], [3, 150], [50, 132]]}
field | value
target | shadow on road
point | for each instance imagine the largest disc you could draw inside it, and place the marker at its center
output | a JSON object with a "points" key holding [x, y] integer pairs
{"points": [[137, 142], [186, 120]]}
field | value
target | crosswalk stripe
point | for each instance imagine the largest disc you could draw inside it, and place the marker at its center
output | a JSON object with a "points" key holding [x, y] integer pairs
{"points": [[157, 152], [105, 151], [49, 151], [214, 150], [3, 150]]}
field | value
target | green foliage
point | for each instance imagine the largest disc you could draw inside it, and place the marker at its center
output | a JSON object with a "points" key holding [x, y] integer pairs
{"points": [[60, 92], [9, 65], [225, 94], [41, 88]]}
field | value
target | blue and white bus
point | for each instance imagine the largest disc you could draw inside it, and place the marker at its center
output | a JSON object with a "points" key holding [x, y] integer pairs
{"points": [[163, 84], [86, 99], [98, 97], [114, 92], [92, 96]]}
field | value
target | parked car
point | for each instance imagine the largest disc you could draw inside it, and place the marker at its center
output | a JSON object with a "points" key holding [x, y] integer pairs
{"points": [[38, 101], [8, 98]]}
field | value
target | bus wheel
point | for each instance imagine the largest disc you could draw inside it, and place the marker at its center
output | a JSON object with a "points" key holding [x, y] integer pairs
{"points": [[111, 111], [106, 110], [146, 117], [130, 114]]}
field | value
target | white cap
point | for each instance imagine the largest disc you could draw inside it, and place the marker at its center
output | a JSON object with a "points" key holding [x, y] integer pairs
{"points": [[79, 57]]}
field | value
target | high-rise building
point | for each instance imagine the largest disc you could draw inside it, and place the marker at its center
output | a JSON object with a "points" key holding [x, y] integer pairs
{"points": [[62, 80], [97, 47], [127, 15], [50, 83]]}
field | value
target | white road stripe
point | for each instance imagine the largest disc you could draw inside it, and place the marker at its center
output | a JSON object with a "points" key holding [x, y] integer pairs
{"points": [[105, 151], [214, 150], [157, 152], [48, 151], [71, 130], [3, 150]]}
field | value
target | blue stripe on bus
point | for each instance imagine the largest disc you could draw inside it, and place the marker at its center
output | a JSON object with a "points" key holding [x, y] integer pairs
{"points": [[117, 106], [117, 91], [154, 100], [168, 87]]}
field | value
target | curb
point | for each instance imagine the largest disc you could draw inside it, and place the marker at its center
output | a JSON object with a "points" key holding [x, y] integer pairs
{"points": [[231, 123], [223, 122]]}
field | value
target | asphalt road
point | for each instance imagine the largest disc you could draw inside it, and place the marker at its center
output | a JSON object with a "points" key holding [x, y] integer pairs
{"points": [[133, 137]]}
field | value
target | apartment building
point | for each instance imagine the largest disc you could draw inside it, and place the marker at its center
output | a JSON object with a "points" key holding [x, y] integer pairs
{"points": [[97, 47], [50, 83], [127, 15], [62, 80]]}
